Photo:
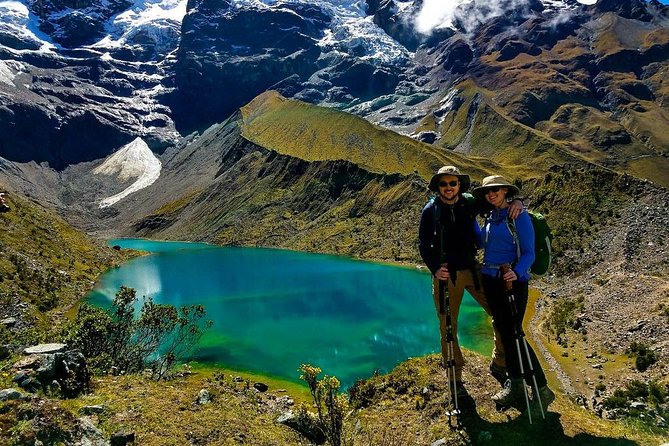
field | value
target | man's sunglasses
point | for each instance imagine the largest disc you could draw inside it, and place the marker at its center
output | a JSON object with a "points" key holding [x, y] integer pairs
{"points": [[448, 183]]}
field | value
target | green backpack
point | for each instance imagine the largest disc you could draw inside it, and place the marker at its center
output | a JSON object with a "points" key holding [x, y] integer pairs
{"points": [[542, 242]]}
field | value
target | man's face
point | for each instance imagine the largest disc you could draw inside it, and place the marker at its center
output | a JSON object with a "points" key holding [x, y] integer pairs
{"points": [[449, 186]]}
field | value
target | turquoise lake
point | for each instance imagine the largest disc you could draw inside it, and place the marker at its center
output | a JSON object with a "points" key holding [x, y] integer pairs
{"points": [[273, 310]]}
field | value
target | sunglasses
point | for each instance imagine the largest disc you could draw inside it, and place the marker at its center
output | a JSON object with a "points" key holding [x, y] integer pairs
{"points": [[448, 183], [492, 189]]}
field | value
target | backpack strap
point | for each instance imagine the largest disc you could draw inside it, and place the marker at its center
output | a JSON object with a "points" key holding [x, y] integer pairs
{"points": [[511, 224]]}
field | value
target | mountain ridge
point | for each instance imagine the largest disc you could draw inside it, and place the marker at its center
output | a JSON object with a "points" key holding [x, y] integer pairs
{"points": [[542, 45]]}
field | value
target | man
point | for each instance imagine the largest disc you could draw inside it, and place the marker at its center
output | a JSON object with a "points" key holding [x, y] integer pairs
{"points": [[448, 241]]}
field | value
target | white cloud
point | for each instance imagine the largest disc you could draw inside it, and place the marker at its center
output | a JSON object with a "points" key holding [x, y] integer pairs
{"points": [[439, 14], [436, 14]]}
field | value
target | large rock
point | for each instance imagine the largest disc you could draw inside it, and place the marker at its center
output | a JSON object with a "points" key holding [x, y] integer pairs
{"points": [[4, 352], [89, 435], [8, 321], [45, 348], [65, 372], [10, 394], [121, 438], [72, 373], [307, 426]]}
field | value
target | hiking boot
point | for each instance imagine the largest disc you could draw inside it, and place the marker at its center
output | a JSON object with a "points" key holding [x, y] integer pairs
{"points": [[546, 394], [498, 373], [511, 394]]}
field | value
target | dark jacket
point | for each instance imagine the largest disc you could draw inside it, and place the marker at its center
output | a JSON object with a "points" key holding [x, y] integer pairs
{"points": [[460, 231]]}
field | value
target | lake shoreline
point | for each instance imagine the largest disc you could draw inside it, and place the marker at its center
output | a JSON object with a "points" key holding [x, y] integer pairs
{"points": [[383, 312]]}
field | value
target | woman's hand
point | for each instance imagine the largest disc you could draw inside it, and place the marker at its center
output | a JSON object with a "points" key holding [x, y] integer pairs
{"points": [[442, 273], [510, 275]]}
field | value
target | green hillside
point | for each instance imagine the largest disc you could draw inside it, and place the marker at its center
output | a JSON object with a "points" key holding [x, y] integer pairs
{"points": [[312, 133], [45, 263], [601, 99]]}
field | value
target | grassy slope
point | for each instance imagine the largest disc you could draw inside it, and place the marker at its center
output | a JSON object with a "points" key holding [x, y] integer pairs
{"points": [[313, 133], [404, 407], [409, 404], [508, 91], [45, 262]]}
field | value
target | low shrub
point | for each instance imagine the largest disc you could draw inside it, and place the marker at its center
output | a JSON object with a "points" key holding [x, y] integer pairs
{"points": [[644, 356], [155, 338]]}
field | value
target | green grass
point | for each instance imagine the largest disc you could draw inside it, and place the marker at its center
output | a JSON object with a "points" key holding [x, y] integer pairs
{"points": [[314, 133], [46, 263]]}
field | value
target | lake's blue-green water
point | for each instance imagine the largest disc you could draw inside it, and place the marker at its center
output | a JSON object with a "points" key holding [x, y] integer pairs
{"points": [[274, 309]]}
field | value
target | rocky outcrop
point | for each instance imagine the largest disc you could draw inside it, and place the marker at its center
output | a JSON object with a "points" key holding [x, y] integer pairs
{"points": [[630, 9], [305, 425], [73, 23], [234, 54], [51, 366], [388, 17]]}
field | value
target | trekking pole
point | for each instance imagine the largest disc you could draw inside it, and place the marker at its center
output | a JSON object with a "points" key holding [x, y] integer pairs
{"points": [[445, 309], [519, 336]]}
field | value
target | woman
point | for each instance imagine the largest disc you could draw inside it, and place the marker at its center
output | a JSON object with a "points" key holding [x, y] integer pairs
{"points": [[504, 268]]}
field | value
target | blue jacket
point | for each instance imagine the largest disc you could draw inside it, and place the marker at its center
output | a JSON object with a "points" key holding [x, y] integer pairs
{"points": [[499, 245]]}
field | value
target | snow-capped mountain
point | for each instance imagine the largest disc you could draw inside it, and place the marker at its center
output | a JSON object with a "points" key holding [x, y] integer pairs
{"points": [[92, 76]]}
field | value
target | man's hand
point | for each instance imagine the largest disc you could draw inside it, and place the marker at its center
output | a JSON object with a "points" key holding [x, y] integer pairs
{"points": [[442, 272], [516, 208]]}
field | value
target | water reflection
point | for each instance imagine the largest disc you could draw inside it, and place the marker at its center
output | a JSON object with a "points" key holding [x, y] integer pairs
{"points": [[274, 309]]}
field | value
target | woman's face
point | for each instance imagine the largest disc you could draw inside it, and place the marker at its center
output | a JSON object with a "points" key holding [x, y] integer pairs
{"points": [[496, 196]]}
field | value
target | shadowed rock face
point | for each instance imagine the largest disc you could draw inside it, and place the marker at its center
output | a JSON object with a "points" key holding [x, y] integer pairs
{"points": [[387, 17], [74, 23], [630, 9], [75, 105], [235, 54]]}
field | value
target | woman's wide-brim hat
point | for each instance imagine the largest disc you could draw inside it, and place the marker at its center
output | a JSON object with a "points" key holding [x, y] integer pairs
{"points": [[495, 181], [449, 170]]}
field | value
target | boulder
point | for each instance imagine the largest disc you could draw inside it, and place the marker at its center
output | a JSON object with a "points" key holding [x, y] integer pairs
{"points": [[204, 397], [638, 405], [47, 370], [89, 434], [8, 321], [260, 387], [32, 385], [307, 426], [21, 376], [45, 348], [121, 438], [72, 373], [10, 394]]}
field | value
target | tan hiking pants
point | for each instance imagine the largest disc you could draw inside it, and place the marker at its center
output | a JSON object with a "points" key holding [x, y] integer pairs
{"points": [[464, 281]]}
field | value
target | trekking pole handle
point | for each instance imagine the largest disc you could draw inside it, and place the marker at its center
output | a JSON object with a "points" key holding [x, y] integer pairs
{"points": [[508, 284]]}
